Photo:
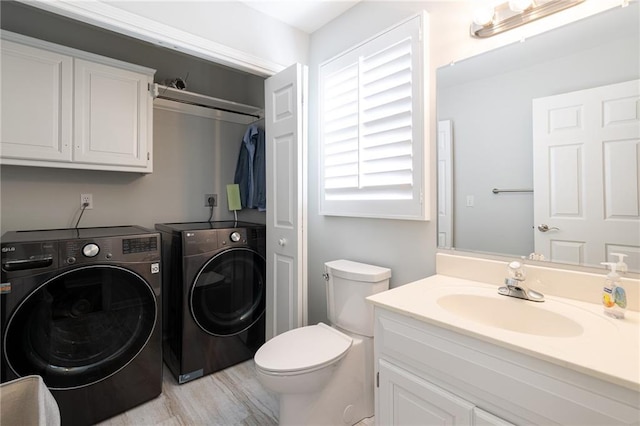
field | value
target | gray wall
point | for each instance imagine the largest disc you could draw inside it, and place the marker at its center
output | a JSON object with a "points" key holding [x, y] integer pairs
{"points": [[192, 156], [492, 140], [407, 247]]}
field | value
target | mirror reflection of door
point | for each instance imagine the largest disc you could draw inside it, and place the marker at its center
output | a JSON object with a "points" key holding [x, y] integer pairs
{"points": [[445, 183], [587, 174]]}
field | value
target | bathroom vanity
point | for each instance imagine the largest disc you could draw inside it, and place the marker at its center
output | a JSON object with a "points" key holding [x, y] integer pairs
{"points": [[450, 350]]}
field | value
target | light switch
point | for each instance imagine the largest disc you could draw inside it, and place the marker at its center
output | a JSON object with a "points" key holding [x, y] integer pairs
{"points": [[469, 200]]}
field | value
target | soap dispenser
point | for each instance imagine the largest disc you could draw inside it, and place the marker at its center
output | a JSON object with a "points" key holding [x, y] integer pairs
{"points": [[614, 298], [621, 267]]}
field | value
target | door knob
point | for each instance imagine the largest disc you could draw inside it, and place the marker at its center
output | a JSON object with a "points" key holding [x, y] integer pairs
{"points": [[282, 241], [544, 228]]}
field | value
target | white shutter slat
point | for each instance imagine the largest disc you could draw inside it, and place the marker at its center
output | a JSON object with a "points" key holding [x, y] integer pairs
{"points": [[342, 182], [389, 57], [399, 120], [341, 170], [347, 157], [397, 149], [340, 99], [341, 124], [400, 165], [345, 145]]}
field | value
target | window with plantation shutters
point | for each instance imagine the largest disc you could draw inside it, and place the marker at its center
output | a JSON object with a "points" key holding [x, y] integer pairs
{"points": [[373, 154]]}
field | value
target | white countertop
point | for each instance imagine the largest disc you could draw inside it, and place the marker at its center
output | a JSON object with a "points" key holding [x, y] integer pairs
{"points": [[607, 349]]}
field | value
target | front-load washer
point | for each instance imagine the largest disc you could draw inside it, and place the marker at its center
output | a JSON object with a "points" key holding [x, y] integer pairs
{"points": [[214, 287], [82, 309]]}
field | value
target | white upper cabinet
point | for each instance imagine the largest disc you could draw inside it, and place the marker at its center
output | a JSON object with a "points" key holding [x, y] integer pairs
{"points": [[37, 89], [111, 115], [65, 108]]}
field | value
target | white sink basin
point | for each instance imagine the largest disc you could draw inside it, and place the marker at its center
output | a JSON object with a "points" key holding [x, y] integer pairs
{"points": [[512, 314]]}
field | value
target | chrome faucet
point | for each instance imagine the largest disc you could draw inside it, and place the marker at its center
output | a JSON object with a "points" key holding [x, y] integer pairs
{"points": [[515, 286]]}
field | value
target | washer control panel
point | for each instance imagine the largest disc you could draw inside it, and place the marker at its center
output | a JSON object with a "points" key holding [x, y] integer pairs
{"points": [[231, 237], [127, 249]]}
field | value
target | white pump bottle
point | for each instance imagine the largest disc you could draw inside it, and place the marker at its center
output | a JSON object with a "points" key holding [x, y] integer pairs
{"points": [[614, 297]]}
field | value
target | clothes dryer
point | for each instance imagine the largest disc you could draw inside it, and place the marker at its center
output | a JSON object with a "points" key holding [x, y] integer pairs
{"points": [[214, 286], [82, 309]]}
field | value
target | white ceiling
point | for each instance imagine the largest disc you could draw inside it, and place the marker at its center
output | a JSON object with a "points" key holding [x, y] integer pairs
{"points": [[305, 15]]}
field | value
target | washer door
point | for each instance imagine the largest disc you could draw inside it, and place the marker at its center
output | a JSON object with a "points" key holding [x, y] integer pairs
{"points": [[81, 327], [228, 293]]}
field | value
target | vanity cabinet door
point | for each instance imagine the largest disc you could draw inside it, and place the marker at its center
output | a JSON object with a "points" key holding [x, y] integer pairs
{"points": [[112, 109], [37, 90], [406, 399]]}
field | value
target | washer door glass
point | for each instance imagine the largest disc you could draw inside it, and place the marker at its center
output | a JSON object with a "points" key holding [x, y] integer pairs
{"points": [[81, 327], [228, 294]]}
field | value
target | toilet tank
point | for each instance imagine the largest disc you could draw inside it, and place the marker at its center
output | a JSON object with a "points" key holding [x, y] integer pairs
{"points": [[348, 285]]}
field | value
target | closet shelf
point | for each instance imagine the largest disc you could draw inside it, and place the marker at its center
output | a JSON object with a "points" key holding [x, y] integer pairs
{"points": [[170, 93]]}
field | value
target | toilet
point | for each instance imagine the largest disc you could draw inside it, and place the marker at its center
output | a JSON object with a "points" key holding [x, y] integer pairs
{"points": [[324, 374]]}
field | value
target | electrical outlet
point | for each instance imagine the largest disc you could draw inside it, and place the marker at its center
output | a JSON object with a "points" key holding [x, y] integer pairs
{"points": [[86, 198], [208, 197]]}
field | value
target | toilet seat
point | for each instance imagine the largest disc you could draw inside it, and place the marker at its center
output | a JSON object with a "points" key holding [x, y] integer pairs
{"points": [[303, 349]]}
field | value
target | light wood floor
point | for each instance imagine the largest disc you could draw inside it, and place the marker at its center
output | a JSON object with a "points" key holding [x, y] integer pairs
{"points": [[229, 397]]}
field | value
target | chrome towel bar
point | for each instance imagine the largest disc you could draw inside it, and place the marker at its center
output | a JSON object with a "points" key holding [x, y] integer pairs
{"points": [[496, 190]]}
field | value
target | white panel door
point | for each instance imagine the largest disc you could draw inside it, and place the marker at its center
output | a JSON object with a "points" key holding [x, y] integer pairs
{"points": [[112, 107], [37, 96], [285, 130], [445, 183], [587, 174]]}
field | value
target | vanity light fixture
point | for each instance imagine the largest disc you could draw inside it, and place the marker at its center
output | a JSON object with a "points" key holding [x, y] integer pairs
{"points": [[520, 6], [488, 22], [483, 15]]}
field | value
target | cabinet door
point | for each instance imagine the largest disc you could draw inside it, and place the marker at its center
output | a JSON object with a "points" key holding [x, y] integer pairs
{"points": [[37, 88], [112, 109], [406, 399]]}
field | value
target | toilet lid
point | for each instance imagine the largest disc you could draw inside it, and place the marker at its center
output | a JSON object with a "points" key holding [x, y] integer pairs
{"points": [[304, 348]]}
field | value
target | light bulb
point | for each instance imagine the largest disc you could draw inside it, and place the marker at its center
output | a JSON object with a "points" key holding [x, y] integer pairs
{"points": [[483, 16], [519, 6]]}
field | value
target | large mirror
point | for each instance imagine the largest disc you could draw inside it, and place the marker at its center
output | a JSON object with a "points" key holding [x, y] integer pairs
{"points": [[518, 172]]}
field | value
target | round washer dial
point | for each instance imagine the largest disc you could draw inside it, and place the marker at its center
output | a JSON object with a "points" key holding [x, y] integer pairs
{"points": [[90, 250]]}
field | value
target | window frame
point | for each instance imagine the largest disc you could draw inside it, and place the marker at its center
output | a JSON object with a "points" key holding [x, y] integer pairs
{"points": [[417, 207]]}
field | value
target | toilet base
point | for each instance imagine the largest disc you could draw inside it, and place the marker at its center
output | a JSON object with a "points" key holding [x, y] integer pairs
{"points": [[345, 400]]}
